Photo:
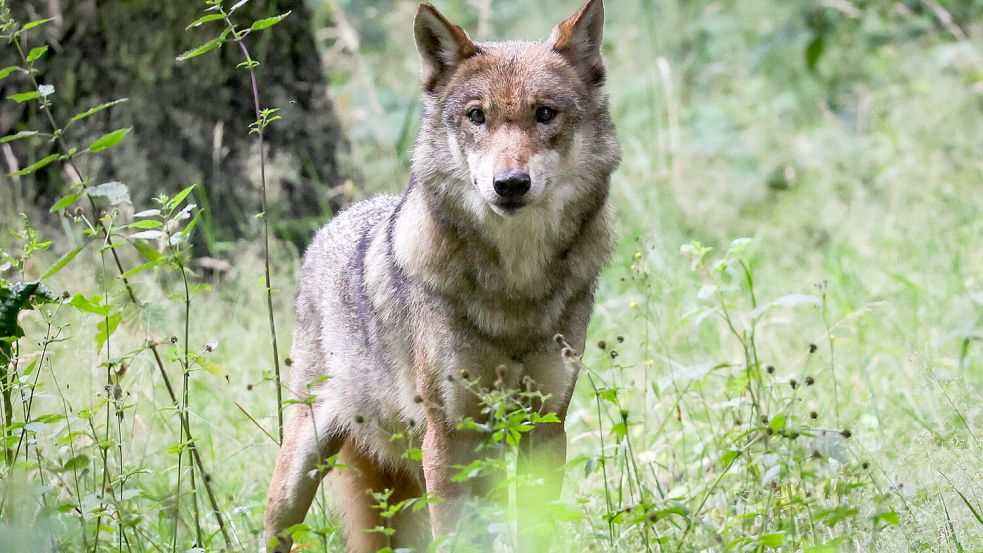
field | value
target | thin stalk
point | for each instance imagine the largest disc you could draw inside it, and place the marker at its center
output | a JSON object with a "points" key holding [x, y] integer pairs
{"points": [[250, 66]]}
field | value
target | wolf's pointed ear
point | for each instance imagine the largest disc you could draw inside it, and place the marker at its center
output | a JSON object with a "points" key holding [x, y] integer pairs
{"points": [[441, 44], [578, 39]]}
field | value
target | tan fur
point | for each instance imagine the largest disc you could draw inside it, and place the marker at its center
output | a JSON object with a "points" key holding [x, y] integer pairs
{"points": [[404, 299]]}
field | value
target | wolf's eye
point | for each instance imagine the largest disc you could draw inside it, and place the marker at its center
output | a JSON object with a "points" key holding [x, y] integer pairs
{"points": [[477, 116], [545, 115]]}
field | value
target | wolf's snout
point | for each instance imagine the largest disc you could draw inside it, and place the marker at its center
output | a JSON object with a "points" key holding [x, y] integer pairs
{"points": [[512, 185]]}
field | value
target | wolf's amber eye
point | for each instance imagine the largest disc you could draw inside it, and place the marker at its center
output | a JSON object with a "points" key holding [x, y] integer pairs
{"points": [[477, 116], [545, 115]]}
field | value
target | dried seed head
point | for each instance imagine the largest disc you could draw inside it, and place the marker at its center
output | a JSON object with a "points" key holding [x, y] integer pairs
{"points": [[359, 419], [65, 295], [288, 361], [211, 347], [613, 354], [621, 339], [846, 433], [417, 399], [411, 423], [865, 465], [813, 415], [568, 353], [813, 348], [810, 381], [559, 339], [602, 344], [249, 387], [173, 339], [465, 374], [770, 369], [793, 383]]}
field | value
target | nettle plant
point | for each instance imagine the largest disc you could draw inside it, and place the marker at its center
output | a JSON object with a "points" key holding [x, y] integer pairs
{"points": [[767, 471], [75, 460]]}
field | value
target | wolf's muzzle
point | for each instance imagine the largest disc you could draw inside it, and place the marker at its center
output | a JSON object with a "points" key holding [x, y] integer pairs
{"points": [[512, 185]]}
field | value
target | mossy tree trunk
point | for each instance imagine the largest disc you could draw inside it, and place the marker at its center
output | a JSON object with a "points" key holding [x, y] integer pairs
{"points": [[190, 119]]}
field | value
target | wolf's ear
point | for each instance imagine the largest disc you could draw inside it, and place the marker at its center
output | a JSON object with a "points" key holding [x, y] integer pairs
{"points": [[578, 39], [441, 44]]}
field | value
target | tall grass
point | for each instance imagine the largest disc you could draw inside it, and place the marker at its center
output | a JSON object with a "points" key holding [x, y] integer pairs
{"points": [[785, 353]]}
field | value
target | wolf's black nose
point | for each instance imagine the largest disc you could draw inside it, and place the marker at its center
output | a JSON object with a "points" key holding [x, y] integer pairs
{"points": [[512, 184]]}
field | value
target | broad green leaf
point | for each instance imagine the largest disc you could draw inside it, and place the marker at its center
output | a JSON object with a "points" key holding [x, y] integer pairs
{"points": [[108, 140], [76, 463], [35, 166], [65, 201], [95, 110], [777, 423], [115, 192], [6, 71], [60, 264], [18, 136], [82, 303], [36, 53], [268, 22], [145, 224], [148, 251], [772, 540], [204, 19], [106, 327], [24, 96]]}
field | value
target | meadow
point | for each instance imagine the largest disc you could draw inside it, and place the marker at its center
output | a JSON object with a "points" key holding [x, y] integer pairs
{"points": [[786, 352]]}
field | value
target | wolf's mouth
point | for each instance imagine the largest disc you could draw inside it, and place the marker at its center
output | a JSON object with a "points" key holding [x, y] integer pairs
{"points": [[508, 207]]}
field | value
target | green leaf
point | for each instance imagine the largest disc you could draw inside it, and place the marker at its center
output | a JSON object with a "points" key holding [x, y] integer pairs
{"points": [[95, 110], [179, 197], [76, 463], [24, 96], [106, 328], [146, 250], [60, 264], [211, 366], [145, 224], [36, 23], [115, 192], [814, 51], [35, 166], [6, 71], [772, 540], [204, 19], [36, 53], [108, 140], [137, 270], [204, 48], [65, 201], [18, 136], [268, 22], [86, 305], [777, 423]]}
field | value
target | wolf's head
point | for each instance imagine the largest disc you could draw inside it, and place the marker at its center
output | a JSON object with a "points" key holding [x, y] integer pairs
{"points": [[512, 125]]}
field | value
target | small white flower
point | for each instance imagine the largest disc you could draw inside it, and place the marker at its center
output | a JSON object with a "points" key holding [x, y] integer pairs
{"points": [[46, 90]]}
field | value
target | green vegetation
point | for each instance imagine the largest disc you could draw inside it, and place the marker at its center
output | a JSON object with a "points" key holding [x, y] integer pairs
{"points": [[786, 350]]}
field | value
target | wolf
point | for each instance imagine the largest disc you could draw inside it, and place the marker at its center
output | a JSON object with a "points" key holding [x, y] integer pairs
{"points": [[473, 274]]}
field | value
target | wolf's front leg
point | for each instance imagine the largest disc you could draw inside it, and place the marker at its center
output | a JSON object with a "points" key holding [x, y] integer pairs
{"points": [[444, 448], [542, 456]]}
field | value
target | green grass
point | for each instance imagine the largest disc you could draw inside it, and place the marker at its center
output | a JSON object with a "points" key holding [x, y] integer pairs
{"points": [[858, 183]]}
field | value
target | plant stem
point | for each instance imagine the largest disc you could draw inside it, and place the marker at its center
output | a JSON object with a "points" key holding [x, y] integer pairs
{"points": [[250, 66], [133, 297]]}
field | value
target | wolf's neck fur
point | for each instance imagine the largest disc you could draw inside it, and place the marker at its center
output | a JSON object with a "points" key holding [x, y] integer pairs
{"points": [[514, 255]]}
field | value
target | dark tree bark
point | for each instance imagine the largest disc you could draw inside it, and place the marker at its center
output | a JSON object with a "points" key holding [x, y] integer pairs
{"points": [[190, 119]]}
